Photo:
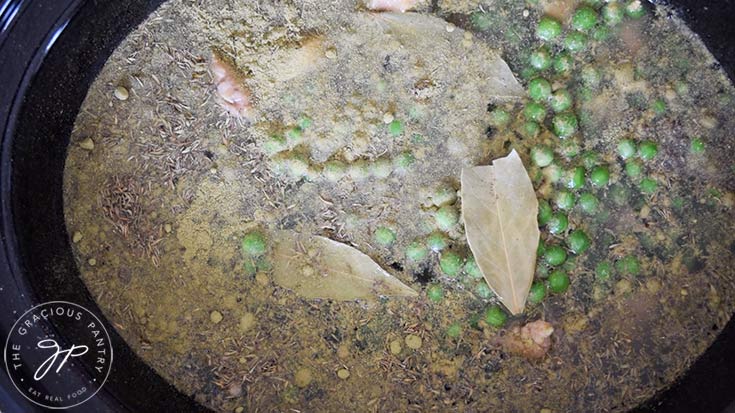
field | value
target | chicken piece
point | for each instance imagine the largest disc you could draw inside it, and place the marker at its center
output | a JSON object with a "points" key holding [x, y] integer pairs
{"points": [[391, 5], [531, 341], [232, 94]]}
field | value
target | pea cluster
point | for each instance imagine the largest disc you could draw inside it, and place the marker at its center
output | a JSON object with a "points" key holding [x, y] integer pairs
{"points": [[288, 158], [454, 261], [554, 73]]}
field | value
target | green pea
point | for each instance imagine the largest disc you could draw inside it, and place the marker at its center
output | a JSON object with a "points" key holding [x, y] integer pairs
{"points": [[561, 100], [558, 223], [564, 124], [482, 290], [678, 203], [436, 241], [564, 200], [535, 112], [635, 9], [681, 87], [454, 330], [384, 236], [531, 129], [548, 28], [481, 21], [600, 176], [584, 18], [358, 170], [569, 148], [589, 159], [628, 265], [591, 77], [633, 168], [450, 263], [570, 264], [575, 42], [250, 267], [495, 316], [395, 128], [619, 194], [578, 241], [697, 145], [381, 168], [294, 135], [603, 270], [601, 33], [416, 251], [553, 172], [542, 156], [275, 144], [558, 282], [417, 138], [305, 122], [536, 175], [435, 293], [404, 160], [539, 89], [542, 271], [540, 58], [294, 164], [444, 195], [563, 64], [647, 150], [334, 170], [263, 264], [575, 178], [626, 148], [499, 117], [584, 94], [541, 249], [471, 268], [446, 217], [555, 255], [253, 244], [528, 73], [714, 193], [544, 212], [589, 203], [613, 13], [474, 321], [537, 293], [659, 106], [648, 185]]}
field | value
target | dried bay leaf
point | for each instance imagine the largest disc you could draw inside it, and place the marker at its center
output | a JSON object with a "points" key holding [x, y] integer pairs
{"points": [[318, 267], [428, 36], [500, 208]]}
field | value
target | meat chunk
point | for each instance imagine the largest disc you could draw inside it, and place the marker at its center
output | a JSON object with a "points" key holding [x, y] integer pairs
{"points": [[531, 341], [232, 94], [391, 5]]}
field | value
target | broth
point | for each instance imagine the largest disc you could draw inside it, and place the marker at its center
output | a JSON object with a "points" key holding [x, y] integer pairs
{"points": [[161, 185]]}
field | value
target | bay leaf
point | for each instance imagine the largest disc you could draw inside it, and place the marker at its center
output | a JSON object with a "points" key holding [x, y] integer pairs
{"points": [[318, 267], [500, 208], [428, 35]]}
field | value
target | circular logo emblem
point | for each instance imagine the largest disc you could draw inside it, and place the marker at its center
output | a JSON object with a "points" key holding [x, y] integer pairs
{"points": [[58, 354]]}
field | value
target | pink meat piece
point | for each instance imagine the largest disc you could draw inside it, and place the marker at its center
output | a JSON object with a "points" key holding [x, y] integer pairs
{"points": [[232, 94], [391, 5], [531, 341]]}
